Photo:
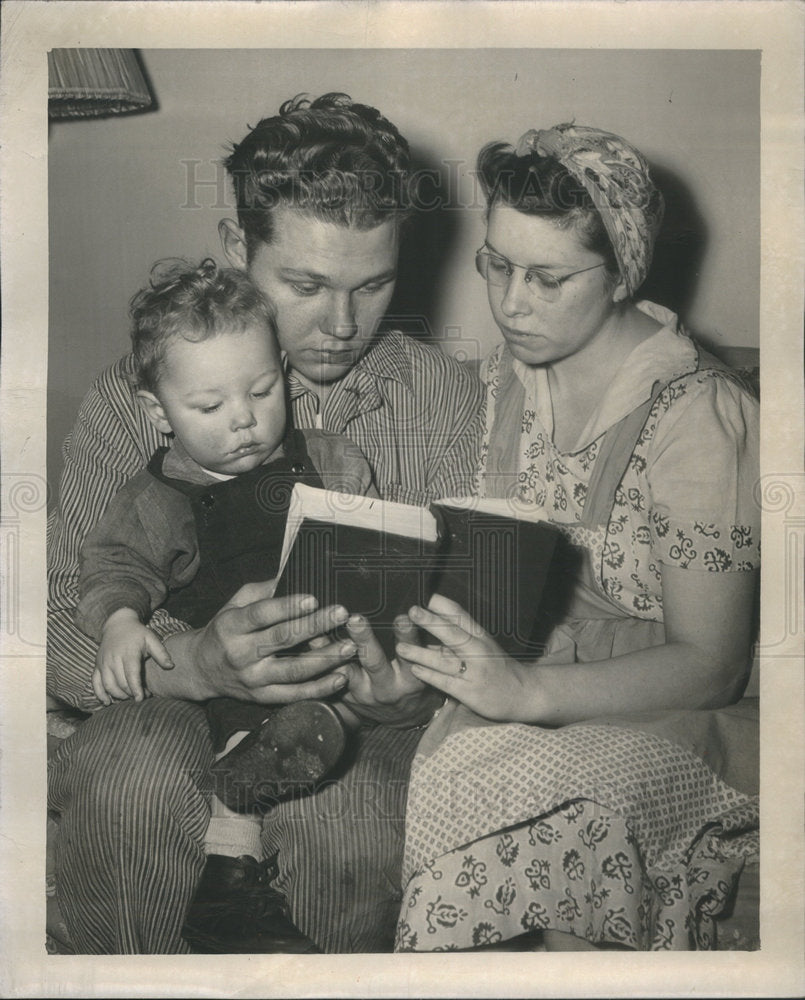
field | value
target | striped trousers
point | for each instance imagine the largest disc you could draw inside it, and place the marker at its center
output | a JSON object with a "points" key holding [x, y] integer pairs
{"points": [[132, 789]]}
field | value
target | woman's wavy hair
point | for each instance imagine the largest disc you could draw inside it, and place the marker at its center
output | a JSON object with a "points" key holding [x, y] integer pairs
{"points": [[335, 160], [541, 186], [193, 302]]}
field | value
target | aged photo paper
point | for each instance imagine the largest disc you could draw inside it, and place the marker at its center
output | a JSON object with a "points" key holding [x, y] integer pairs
{"points": [[713, 90]]}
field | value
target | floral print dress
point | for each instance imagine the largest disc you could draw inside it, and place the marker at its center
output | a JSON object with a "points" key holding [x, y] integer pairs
{"points": [[612, 830]]}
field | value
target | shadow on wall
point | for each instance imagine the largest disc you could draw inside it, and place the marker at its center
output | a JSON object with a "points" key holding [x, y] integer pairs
{"points": [[428, 241], [679, 249]]}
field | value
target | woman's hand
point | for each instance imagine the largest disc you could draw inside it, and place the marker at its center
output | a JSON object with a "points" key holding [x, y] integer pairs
{"points": [[469, 665], [702, 663]]}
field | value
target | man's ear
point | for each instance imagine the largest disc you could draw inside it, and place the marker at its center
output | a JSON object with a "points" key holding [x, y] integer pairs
{"points": [[154, 411], [234, 243]]}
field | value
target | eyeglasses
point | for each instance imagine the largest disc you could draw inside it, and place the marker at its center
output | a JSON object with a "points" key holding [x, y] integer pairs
{"points": [[498, 270]]}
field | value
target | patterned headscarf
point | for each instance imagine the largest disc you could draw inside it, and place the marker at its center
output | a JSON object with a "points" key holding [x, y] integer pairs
{"points": [[616, 176]]}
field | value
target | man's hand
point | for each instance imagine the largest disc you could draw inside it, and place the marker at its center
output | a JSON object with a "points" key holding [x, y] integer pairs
{"points": [[382, 692], [237, 655]]}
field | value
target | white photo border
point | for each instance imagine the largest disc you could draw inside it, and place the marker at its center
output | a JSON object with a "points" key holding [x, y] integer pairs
{"points": [[29, 30]]}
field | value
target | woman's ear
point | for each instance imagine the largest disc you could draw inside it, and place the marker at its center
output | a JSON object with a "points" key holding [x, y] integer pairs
{"points": [[620, 293], [153, 409], [234, 243]]}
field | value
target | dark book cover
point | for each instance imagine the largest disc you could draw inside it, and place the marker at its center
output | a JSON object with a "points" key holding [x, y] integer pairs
{"points": [[377, 574], [496, 567], [378, 559]]}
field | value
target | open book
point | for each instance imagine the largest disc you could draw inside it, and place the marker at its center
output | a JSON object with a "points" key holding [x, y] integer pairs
{"points": [[378, 558]]}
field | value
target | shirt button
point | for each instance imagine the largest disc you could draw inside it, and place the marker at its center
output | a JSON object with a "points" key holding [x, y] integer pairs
{"points": [[208, 501], [298, 468]]}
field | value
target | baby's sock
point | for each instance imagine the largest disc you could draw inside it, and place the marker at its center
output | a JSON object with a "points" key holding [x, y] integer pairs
{"points": [[233, 833]]}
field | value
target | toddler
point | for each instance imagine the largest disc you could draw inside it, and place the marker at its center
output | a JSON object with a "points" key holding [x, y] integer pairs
{"points": [[207, 516]]}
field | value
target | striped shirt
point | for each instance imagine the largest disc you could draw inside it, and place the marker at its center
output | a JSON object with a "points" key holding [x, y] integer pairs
{"points": [[416, 414]]}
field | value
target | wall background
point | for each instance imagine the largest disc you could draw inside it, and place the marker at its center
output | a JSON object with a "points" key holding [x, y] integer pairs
{"points": [[125, 192]]}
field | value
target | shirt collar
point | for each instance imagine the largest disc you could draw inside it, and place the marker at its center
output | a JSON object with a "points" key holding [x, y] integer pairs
{"points": [[667, 354], [177, 464]]}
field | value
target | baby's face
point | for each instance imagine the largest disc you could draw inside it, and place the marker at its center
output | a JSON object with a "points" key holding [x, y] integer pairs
{"points": [[224, 398]]}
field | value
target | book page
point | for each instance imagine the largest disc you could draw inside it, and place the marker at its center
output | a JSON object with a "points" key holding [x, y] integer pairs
{"points": [[502, 506]]}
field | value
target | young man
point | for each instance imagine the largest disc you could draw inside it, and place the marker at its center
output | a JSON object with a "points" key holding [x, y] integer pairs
{"points": [[322, 193]]}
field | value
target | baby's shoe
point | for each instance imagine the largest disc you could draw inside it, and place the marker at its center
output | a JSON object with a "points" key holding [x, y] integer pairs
{"points": [[236, 911], [293, 749]]}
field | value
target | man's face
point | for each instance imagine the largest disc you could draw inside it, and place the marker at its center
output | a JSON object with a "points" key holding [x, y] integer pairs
{"points": [[330, 286]]}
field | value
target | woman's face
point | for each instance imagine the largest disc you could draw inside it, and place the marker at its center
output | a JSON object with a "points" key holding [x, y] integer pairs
{"points": [[540, 332]]}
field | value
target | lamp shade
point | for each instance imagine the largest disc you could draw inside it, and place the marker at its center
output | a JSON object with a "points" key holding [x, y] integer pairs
{"points": [[91, 83]]}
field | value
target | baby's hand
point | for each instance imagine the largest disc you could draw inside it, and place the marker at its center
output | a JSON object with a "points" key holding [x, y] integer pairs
{"points": [[125, 644]]}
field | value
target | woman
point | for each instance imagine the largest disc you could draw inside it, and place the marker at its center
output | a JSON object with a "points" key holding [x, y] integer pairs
{"points": [[643, 449]]}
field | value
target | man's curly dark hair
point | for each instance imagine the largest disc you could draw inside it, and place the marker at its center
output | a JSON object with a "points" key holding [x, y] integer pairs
{"points": [[336, 160]]}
